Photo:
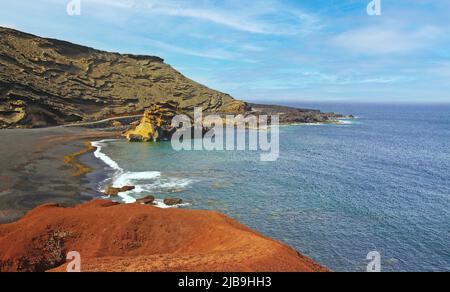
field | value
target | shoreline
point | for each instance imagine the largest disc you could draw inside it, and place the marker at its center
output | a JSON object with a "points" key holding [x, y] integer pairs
{"points": [[33, 170], [75, 176]]}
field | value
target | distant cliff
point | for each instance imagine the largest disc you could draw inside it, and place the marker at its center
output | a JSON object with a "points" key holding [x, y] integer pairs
{"points": [[46, 82]]}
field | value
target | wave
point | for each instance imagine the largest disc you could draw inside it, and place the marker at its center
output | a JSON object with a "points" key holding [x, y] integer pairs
{"points": [[102, 156], [345, 122], [145, 183]]}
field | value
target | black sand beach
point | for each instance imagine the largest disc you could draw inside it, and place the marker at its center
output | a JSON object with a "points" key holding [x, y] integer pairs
{"points": [[33, 170]]}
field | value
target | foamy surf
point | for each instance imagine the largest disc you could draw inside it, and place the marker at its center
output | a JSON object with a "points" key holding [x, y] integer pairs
{"points": [[102, 156], [145, 183], [345, 122]]}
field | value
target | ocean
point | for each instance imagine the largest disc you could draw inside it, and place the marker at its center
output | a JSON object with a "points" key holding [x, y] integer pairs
{"points": [[380, 183]]}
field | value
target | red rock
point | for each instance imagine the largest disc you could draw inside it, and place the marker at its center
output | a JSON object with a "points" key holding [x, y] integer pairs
{"points": [[115, 237]]}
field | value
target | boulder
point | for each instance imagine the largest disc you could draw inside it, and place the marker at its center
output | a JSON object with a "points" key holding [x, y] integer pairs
{"points": [[172, 201], [127, 189], [114, 192], [149, 200]]}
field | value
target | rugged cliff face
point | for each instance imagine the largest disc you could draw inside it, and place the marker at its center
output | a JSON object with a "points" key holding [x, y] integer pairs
{"points": [[45, 82]]}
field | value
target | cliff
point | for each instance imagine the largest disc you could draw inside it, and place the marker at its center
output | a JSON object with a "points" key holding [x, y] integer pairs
{"points": [[113, 237], [46, 82]]}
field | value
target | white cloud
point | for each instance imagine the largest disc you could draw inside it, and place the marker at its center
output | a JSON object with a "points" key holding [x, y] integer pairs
{"points": [[386, 40], [114, 3], [271, 18], [217, 54]]}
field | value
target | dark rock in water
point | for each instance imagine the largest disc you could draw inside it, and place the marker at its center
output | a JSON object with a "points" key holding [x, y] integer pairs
{"points": [[127, 189], [114, 192], [172, 202], [150, 200]]}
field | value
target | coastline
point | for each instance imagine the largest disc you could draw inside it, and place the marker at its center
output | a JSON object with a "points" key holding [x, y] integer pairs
{"points": [[72, 167]]}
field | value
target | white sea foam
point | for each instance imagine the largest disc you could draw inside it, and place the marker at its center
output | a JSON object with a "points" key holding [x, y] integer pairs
{"points": [[345, 122], [160, 204], [103, 157], [128, 178], [146, 182]]}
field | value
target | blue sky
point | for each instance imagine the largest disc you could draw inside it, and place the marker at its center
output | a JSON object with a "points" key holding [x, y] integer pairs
{"points": [[268, 50]]}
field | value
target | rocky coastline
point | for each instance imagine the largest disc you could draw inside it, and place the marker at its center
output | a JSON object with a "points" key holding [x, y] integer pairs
{"points": [[46, 232], [57, 97]]}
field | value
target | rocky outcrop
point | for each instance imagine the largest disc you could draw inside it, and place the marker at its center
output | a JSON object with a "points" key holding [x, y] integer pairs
{"points": [[114, 192], [149, 200], [173, 201], [155, 125], [112, 237], [46, 82], [291, 115]]}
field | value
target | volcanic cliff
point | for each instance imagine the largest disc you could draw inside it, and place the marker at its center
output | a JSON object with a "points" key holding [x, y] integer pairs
{"points": [[46, 82]]}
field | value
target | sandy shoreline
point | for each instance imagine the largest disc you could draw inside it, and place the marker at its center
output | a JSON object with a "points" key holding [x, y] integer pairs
{"points": [[33, 171]]}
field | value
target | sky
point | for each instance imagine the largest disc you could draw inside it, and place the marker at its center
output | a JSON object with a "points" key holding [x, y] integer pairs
{"points": [[268, 50]]}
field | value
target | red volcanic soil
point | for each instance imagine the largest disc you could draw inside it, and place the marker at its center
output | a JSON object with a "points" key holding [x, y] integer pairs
{"points": [[113, 237]]}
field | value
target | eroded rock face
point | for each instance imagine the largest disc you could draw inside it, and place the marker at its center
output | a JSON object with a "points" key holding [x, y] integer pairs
{"points": [[46, 82], [155, 125]]}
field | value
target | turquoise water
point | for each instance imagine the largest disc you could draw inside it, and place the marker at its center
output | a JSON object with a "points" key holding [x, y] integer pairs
{"points": [[337, 193]]}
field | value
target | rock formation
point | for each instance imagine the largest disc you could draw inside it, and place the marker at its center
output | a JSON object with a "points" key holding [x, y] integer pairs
{"points": [[46, 82], [290, 115], [155, 125], [172, 201], [149, 200], [114, 237], [114, 192]]}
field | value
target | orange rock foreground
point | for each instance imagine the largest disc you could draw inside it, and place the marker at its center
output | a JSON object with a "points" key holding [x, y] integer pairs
{"points": [[112, 237]]}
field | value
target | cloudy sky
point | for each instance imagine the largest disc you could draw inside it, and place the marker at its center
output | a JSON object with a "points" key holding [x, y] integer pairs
{"points": [[268, 50]]}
